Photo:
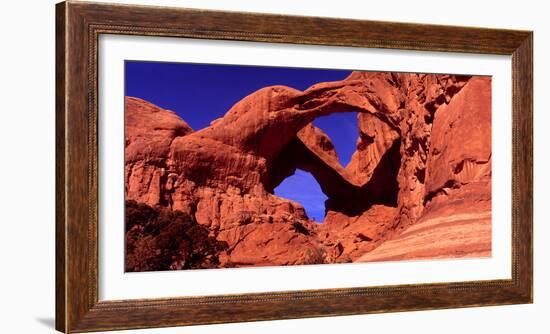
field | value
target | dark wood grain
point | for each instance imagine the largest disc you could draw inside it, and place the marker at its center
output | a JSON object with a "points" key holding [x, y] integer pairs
{"points": [[78, 27], [60, 226], [73, 164], [522, 166]]}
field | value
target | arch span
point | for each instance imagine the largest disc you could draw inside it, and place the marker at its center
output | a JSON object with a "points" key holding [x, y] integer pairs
{"points": [[268, 134]]}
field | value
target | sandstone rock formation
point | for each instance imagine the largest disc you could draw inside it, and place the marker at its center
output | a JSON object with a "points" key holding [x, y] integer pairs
{"points": [[423, 155], [149, 132]]}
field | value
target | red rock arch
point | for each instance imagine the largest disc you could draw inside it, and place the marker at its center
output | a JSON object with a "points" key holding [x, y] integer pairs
{"points": [[224, 174]]}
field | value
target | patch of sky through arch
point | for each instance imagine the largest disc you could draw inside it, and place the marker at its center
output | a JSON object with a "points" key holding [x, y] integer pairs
{"points": [[343, 130], [304, 189]]}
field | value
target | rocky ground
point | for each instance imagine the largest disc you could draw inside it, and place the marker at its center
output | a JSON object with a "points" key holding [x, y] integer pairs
{"points": [[418, 185]]}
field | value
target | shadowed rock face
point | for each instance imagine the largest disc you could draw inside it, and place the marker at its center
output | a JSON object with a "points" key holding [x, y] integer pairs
{"points": [[423, 148]]}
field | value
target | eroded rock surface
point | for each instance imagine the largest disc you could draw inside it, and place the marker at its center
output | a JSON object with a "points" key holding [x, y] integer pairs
{"points": [[423, 155]]}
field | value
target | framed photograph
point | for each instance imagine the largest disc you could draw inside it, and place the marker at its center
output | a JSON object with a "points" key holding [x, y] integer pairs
{"points": [[222, 166]]}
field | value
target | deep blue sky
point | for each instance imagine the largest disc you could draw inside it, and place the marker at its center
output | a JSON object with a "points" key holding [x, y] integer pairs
{"points": [[200, 93], [304, 189], [342, 129]]}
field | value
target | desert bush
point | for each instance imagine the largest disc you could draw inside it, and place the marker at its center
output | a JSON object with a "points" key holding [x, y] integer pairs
{"points": [[161, 239]]}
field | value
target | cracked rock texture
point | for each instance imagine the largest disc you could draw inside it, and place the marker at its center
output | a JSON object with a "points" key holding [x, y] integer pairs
{"points": [[418, 185]]}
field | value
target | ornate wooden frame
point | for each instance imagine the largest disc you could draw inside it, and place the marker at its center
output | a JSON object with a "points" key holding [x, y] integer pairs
{"points": [[78, 25]]}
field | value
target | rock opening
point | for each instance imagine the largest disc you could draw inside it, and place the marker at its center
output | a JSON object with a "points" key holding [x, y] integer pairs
{"points": [[302, 187]]}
